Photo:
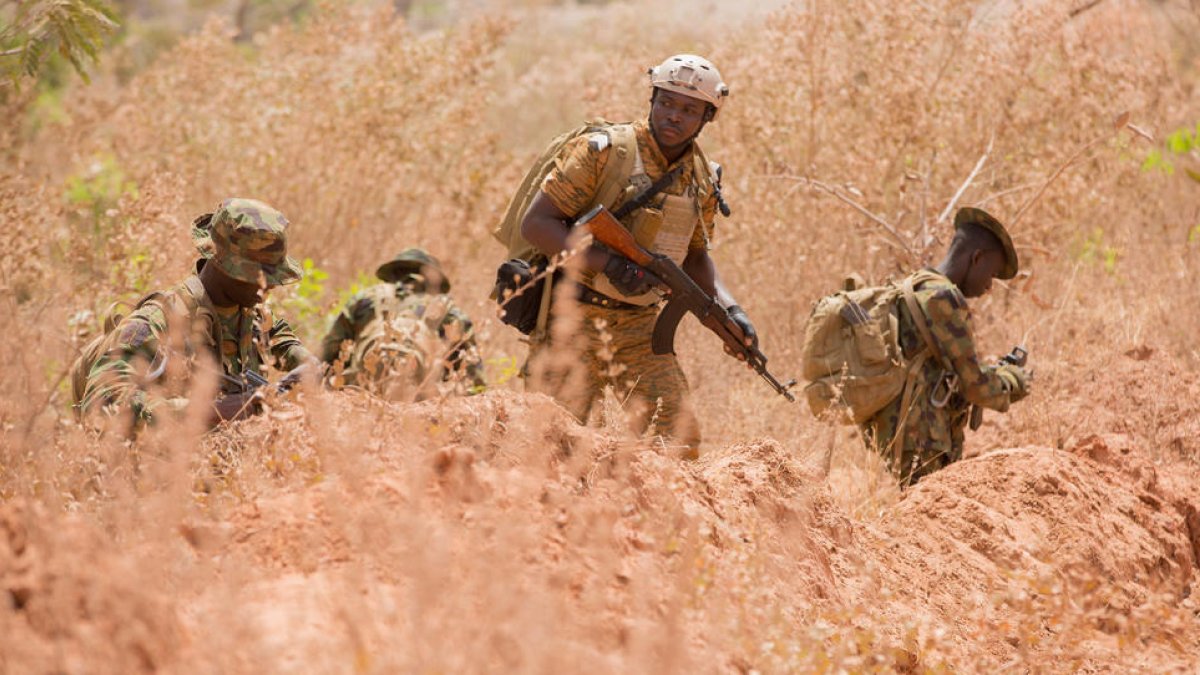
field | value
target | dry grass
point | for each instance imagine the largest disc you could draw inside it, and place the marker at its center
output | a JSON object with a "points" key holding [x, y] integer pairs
{"points": [[372, 137]]}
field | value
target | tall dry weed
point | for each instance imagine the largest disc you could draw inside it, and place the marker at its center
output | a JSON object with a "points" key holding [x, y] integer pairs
{"points": [[373, 136]]}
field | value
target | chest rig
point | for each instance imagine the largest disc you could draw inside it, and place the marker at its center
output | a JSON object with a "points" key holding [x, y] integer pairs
{"points": [[664, 226]]}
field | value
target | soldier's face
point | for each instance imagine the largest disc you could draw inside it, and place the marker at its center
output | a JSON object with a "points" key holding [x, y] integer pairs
{"points": [[245, 294], [984, 266], [676, 118]]}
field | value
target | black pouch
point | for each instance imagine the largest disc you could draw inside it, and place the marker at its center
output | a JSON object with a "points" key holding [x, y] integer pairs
{"points": [[520, 298]]}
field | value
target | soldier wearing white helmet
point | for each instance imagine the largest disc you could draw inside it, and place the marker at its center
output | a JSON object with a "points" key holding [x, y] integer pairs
{"points": [[611, 164], [692, 76]]}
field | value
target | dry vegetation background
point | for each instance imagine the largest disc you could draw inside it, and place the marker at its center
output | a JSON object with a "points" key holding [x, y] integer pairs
{"points": [[341, 534]]}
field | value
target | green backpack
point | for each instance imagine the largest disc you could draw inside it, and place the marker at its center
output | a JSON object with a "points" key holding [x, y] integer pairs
{"points": [[613, 181], [852, 357], [529, 310], [91, 353]]}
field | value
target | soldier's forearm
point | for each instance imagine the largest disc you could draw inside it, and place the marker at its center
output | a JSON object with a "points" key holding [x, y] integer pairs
{"points": [[296, 356], [983, 387], [700, 267]]}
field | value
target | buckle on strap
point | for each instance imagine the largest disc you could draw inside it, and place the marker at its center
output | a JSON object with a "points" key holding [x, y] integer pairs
{"points": [[943, 389]]}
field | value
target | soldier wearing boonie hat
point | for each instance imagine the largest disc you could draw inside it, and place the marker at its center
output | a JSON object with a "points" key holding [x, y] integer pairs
{"points": [[930, 433], [248, 240], [413, 310], [243, 248]]}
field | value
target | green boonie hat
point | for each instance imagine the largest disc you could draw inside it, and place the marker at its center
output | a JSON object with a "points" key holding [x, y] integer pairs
{"points": [[973, 216], [246, 238], [414, 261]]}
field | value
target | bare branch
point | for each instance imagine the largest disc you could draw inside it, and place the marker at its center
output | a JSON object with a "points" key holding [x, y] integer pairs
{"points": [[966, 183], [1083, 8], [833, 190], [1057, 172], [1005, 193]]}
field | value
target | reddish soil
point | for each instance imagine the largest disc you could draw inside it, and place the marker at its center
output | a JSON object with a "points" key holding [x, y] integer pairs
{"points": [[495, 534]]}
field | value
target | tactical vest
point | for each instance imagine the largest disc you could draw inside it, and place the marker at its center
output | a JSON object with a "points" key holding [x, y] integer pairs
{"points": [[395, 354], [666, 226]]}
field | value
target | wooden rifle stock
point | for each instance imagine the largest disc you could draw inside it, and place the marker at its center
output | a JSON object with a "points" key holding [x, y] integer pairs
{"points": [[609, 231]]}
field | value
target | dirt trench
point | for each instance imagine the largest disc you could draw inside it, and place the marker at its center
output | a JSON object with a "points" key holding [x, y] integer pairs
{"points": [[495, 533]]}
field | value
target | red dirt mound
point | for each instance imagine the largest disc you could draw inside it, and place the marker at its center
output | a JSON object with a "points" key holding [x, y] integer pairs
{"points": [[71, 601], [496, 534], [1044, 556]]}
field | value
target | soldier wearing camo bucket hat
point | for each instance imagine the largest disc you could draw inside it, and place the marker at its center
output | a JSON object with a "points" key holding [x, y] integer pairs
{"points": [[405, 338], [212, 322]]}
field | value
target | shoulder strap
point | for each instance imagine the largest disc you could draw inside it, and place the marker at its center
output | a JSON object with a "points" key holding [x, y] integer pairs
{"points": [[195, 300], [703, 168], [919, 317], [620, 165], [646, 195]]}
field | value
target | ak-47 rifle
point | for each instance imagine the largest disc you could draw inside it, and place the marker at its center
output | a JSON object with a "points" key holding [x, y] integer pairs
{"points": [[684, 296], [1017, 357], [245, 382], [249, 380]]}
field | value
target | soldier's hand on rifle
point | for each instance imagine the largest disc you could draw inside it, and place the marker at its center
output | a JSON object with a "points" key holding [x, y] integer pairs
{"points": [[738, 315], [1017, 379], [749, 336], [629, 277], [235, 407]]}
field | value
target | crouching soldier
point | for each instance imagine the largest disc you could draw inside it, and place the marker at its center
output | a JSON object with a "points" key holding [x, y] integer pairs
{"points": [[215, 315], [402, 338], [922, 430]]}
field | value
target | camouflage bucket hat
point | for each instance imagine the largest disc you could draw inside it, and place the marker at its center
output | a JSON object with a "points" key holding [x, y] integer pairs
{"points": [[245, 238], [414, 261], [973, 216]]}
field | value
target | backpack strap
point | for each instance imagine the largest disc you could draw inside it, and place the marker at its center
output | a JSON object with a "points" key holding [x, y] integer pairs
{"points": [[911, 384], [705, 173], [920, 319], [623, 162], [931, 349], [196, 303], [917, 314]]}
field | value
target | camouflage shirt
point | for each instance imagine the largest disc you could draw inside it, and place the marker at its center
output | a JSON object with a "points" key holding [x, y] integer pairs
{"points": [[933, 435], [144, 338], [573, 182], [455, 331]]}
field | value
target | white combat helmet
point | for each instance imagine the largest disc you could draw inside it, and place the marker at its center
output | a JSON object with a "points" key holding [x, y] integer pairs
{"points": [[692, 76]]}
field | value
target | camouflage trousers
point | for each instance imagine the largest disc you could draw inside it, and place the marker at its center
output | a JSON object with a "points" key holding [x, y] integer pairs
{"points": [[931, 439], [611, 347]]}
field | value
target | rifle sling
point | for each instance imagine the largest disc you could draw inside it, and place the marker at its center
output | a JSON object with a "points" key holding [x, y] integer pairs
{"points": [[646, 195]]}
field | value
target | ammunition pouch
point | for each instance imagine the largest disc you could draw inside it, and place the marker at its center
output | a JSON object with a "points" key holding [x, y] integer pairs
{"points": [[520, 297]]}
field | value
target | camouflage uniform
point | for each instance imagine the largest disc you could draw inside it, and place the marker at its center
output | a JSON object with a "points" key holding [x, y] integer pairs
{"points": [[247, 240], [412, 313], [407, 326], [612, 346], [932, 435]]}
